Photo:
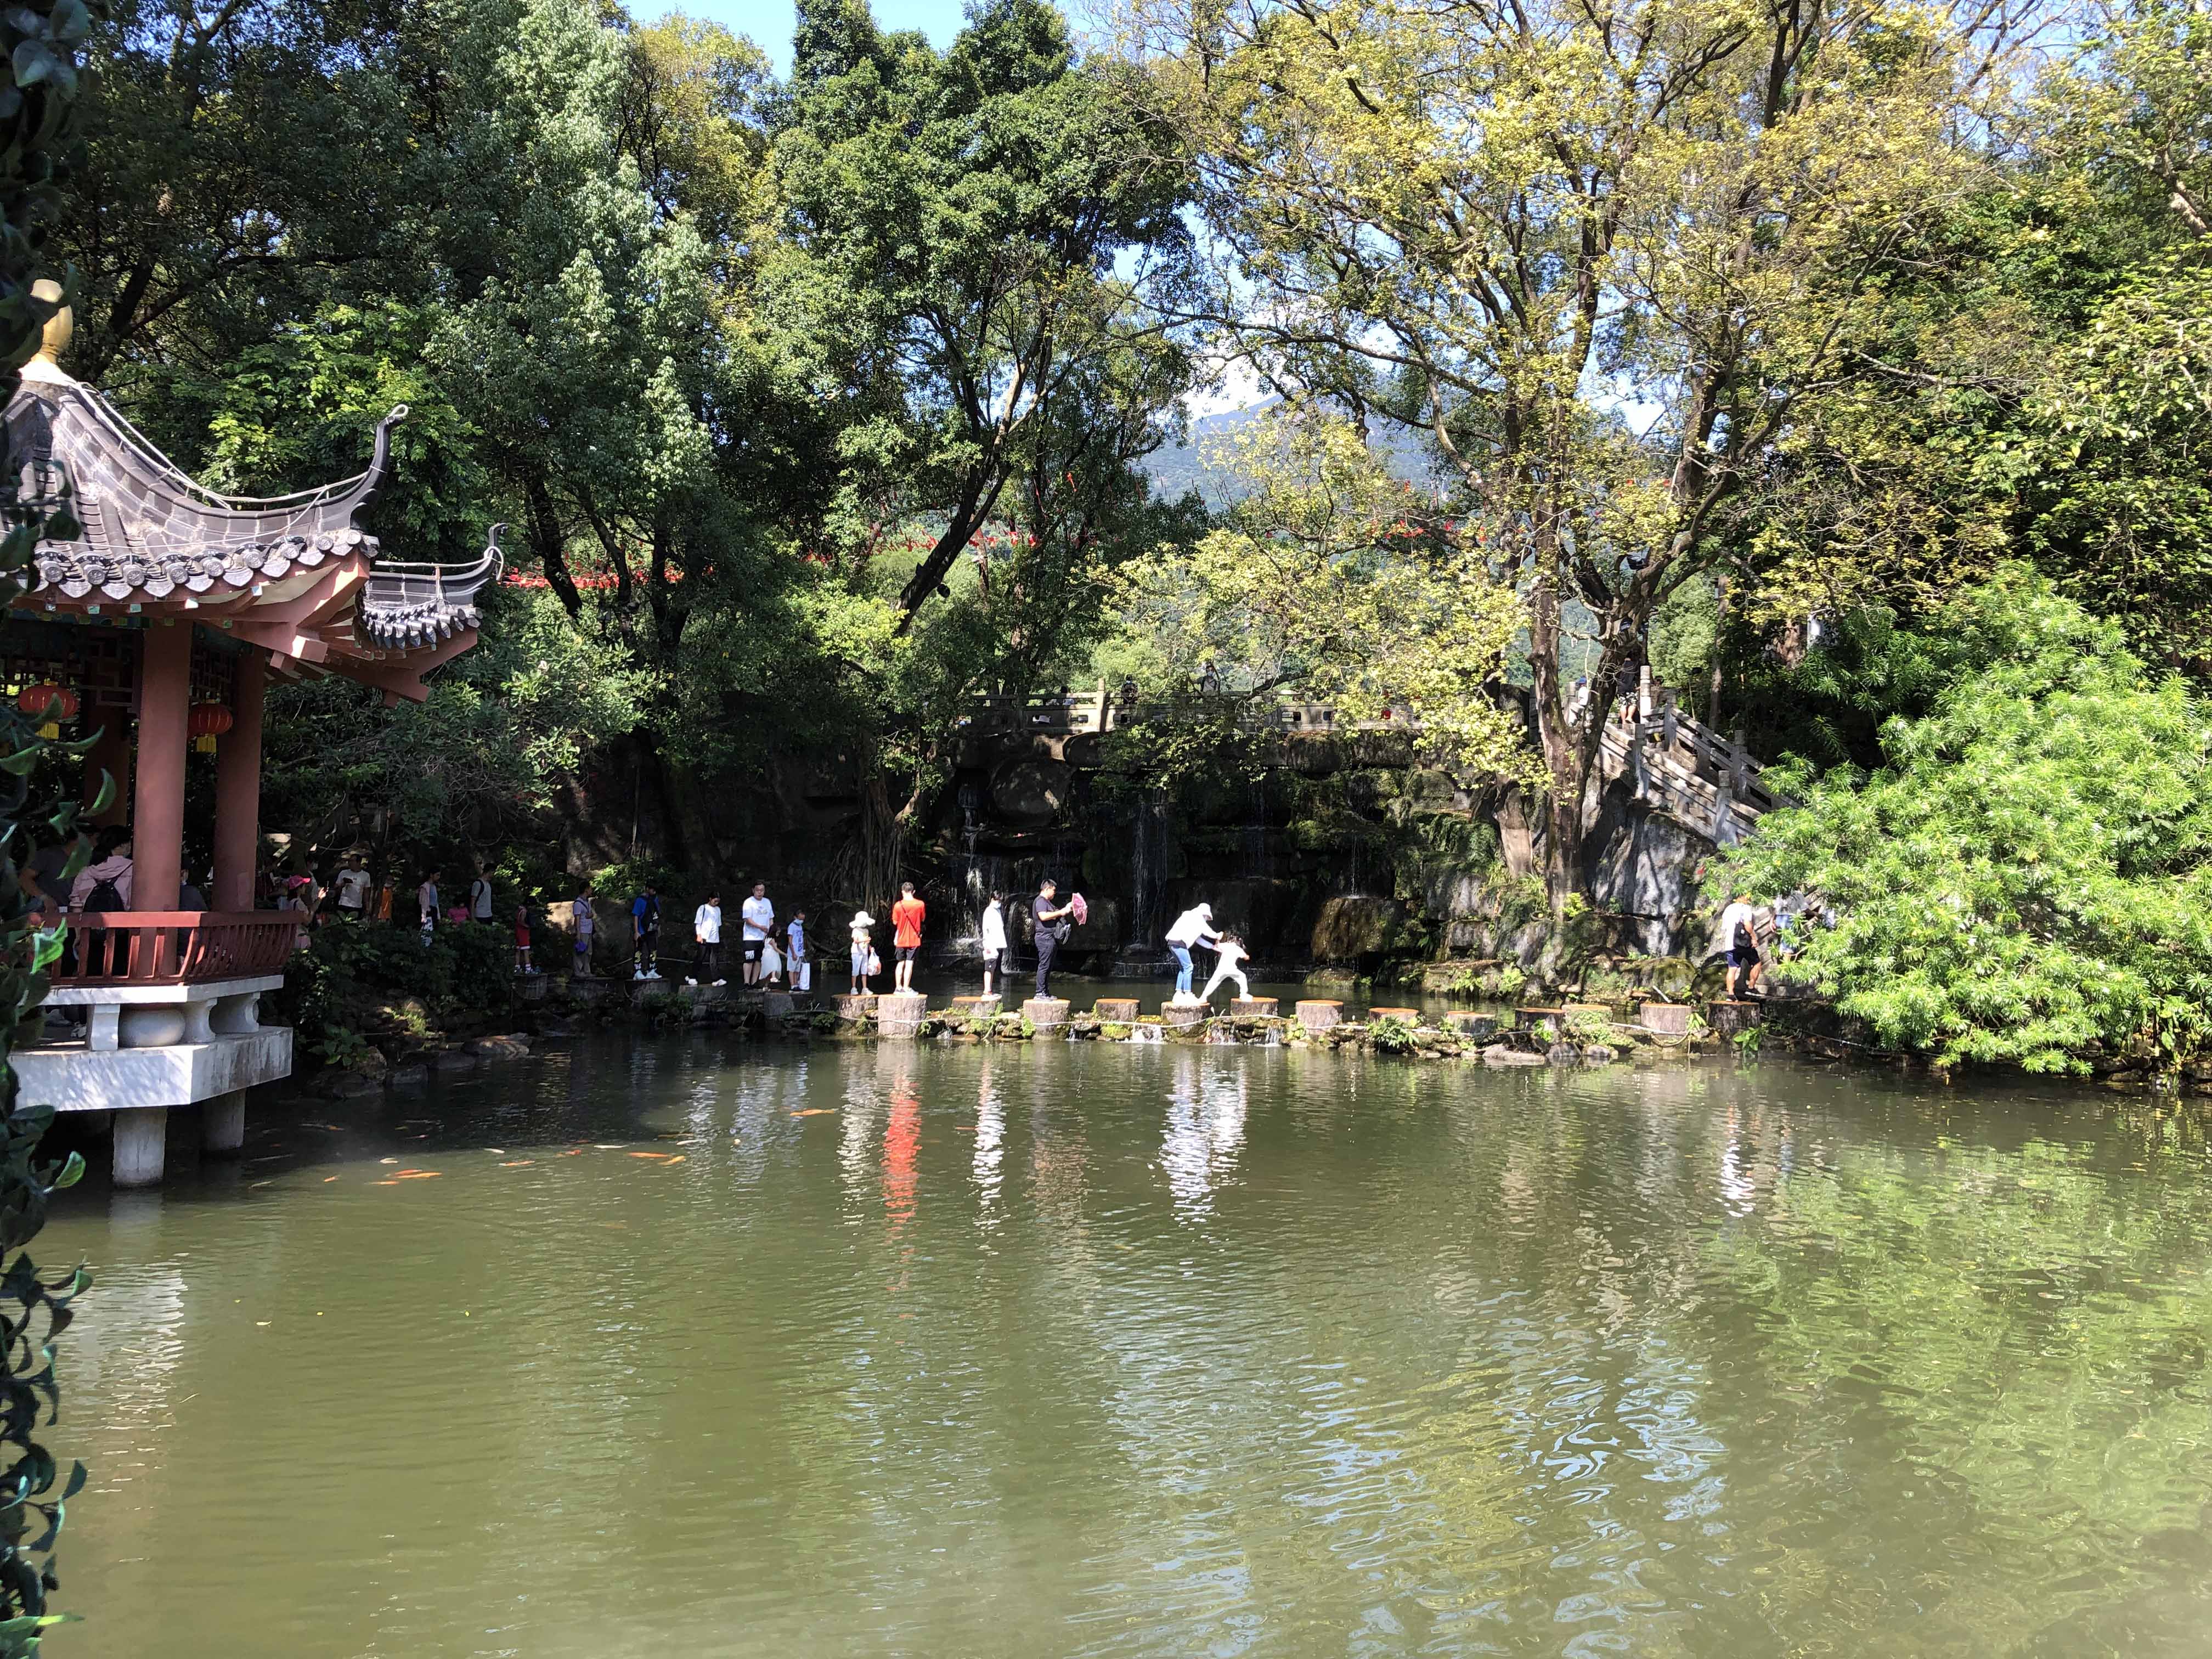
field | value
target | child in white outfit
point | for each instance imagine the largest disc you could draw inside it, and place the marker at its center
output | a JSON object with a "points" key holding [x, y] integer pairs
{"points": [[1231, 953]]}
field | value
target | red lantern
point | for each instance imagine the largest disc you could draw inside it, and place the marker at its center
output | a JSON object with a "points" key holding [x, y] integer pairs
{"points": [[210, 719], [47, 702]]}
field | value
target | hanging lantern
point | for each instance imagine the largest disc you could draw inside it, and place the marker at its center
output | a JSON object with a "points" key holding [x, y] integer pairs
{"points": [[48, 704], [207, 722], [53, 703]]}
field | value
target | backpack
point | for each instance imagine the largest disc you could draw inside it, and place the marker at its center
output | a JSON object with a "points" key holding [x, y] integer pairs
{"points": [[104, 896], [1078, 909], [1744, 940]]}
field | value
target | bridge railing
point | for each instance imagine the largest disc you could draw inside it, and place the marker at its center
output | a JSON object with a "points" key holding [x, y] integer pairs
{"points": [[1058, 714]]}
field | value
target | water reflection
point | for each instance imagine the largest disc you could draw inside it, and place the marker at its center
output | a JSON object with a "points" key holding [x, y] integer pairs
{"points": [[990, 1147], [1205, 1128], [1168, 1351]]}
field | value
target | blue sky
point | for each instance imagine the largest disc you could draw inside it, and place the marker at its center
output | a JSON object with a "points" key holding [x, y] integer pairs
{"points": [[769, 22]]}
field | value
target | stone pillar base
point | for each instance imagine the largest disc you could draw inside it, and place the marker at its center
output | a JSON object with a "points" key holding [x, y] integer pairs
{"points": [[974, 1007], [1252, 1007], [1045, 1013], [1121, 1010], [1665, 1018], [1319, 1014], [854, 1009], [777, 1005], [1181, 1016], [222, 1122], [1727, 1018], [141, 1136], [900, 1014], [1411, 1016]]}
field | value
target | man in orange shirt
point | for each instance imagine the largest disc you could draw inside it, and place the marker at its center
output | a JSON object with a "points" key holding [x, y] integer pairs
{"points": [[906, 921]]}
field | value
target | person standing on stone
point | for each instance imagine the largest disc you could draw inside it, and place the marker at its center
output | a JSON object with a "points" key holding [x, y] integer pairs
{"points": [[480, 897], [864, 952], [522, 939], [426, 901], [1738, 936], [645, 933], [1227, 965], [794, 952], [587, 922], [706, 929], [759, 917], [907, 914], [1053, 928], [1193, 928], [994, 940]]}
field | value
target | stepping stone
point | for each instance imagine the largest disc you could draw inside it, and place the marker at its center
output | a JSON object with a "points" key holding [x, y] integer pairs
{"points": [[1666, 1018], [900, 1014], [1524, 1018], [1727, 1018], [1411, 1016], [1319, 1014], [1252, 1007], [1121, 1010], [854, 1009], [1184, 1015], [974, 1007], [1045, 1013], [1479, 1028]]}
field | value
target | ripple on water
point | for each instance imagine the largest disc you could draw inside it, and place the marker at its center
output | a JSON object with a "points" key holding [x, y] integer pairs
{"points": [[1093, 1350]]}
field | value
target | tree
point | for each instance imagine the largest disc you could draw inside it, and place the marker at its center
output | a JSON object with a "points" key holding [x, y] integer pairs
{"points": [[1596, 254], [1330, 579], [2029, 873], [988, 225]]}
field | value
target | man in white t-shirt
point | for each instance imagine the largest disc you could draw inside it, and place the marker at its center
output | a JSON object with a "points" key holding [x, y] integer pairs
{"points": [[351, 890], [480, 897], [706, 930], [759, 917]]}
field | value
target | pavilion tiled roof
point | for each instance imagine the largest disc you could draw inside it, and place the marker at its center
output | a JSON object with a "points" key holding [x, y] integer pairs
{"points": [[296, 574]]}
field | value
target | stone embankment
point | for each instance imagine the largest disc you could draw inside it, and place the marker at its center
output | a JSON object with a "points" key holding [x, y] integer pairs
{"points": [[1571, 1034]]}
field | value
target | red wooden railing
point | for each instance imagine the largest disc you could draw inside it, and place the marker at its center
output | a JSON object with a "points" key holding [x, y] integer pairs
{"points": [[173, 947]]}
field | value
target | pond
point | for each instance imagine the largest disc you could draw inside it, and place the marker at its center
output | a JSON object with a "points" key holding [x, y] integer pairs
{"points": [[705, 1347]]}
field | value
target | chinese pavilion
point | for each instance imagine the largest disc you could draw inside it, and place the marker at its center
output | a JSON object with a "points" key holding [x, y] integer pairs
{"points": [[159, 626]]}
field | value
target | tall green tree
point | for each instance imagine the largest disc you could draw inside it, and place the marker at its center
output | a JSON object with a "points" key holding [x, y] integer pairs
{"points": [[999, 233], [1595, 255]]}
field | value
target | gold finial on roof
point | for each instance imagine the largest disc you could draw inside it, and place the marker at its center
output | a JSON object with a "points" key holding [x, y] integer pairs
{"points": [[56, 338]]}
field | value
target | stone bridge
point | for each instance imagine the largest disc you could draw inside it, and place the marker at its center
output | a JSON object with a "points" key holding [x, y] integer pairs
{"points": [[1674, 764]]}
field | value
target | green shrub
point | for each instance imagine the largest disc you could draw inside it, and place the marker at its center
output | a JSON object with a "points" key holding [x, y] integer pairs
{"points": [[1392, 1035], [2030, 871], [352, 973]]}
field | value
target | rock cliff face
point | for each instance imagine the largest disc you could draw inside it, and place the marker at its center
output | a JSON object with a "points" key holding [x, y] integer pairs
{"points": [[1353, 859]]}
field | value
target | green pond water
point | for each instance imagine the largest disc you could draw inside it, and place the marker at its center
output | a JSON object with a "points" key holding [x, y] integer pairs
{"points": [[1089, 1349]]}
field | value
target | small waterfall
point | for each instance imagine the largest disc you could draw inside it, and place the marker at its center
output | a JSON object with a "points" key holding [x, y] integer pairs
{"points": [[1148, 861], [1146, 1034]]}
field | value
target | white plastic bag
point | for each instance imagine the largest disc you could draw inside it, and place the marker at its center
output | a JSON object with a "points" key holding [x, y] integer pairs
{"points": [[875, 965], [803, 977]]}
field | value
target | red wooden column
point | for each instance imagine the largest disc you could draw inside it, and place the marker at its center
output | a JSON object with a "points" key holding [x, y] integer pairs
{"points": [[157, 831], [238, 788], [111, 755]]}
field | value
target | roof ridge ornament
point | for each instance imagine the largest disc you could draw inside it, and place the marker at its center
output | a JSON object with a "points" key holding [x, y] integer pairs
{"points": [[60, 328]]}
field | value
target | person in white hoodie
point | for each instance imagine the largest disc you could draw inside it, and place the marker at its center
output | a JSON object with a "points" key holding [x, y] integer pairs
{"points": [[1226, 966], [1193, 927], [994, 940]]}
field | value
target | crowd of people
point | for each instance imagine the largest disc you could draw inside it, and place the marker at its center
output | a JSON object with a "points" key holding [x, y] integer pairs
{"points": [[773, 945]]}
